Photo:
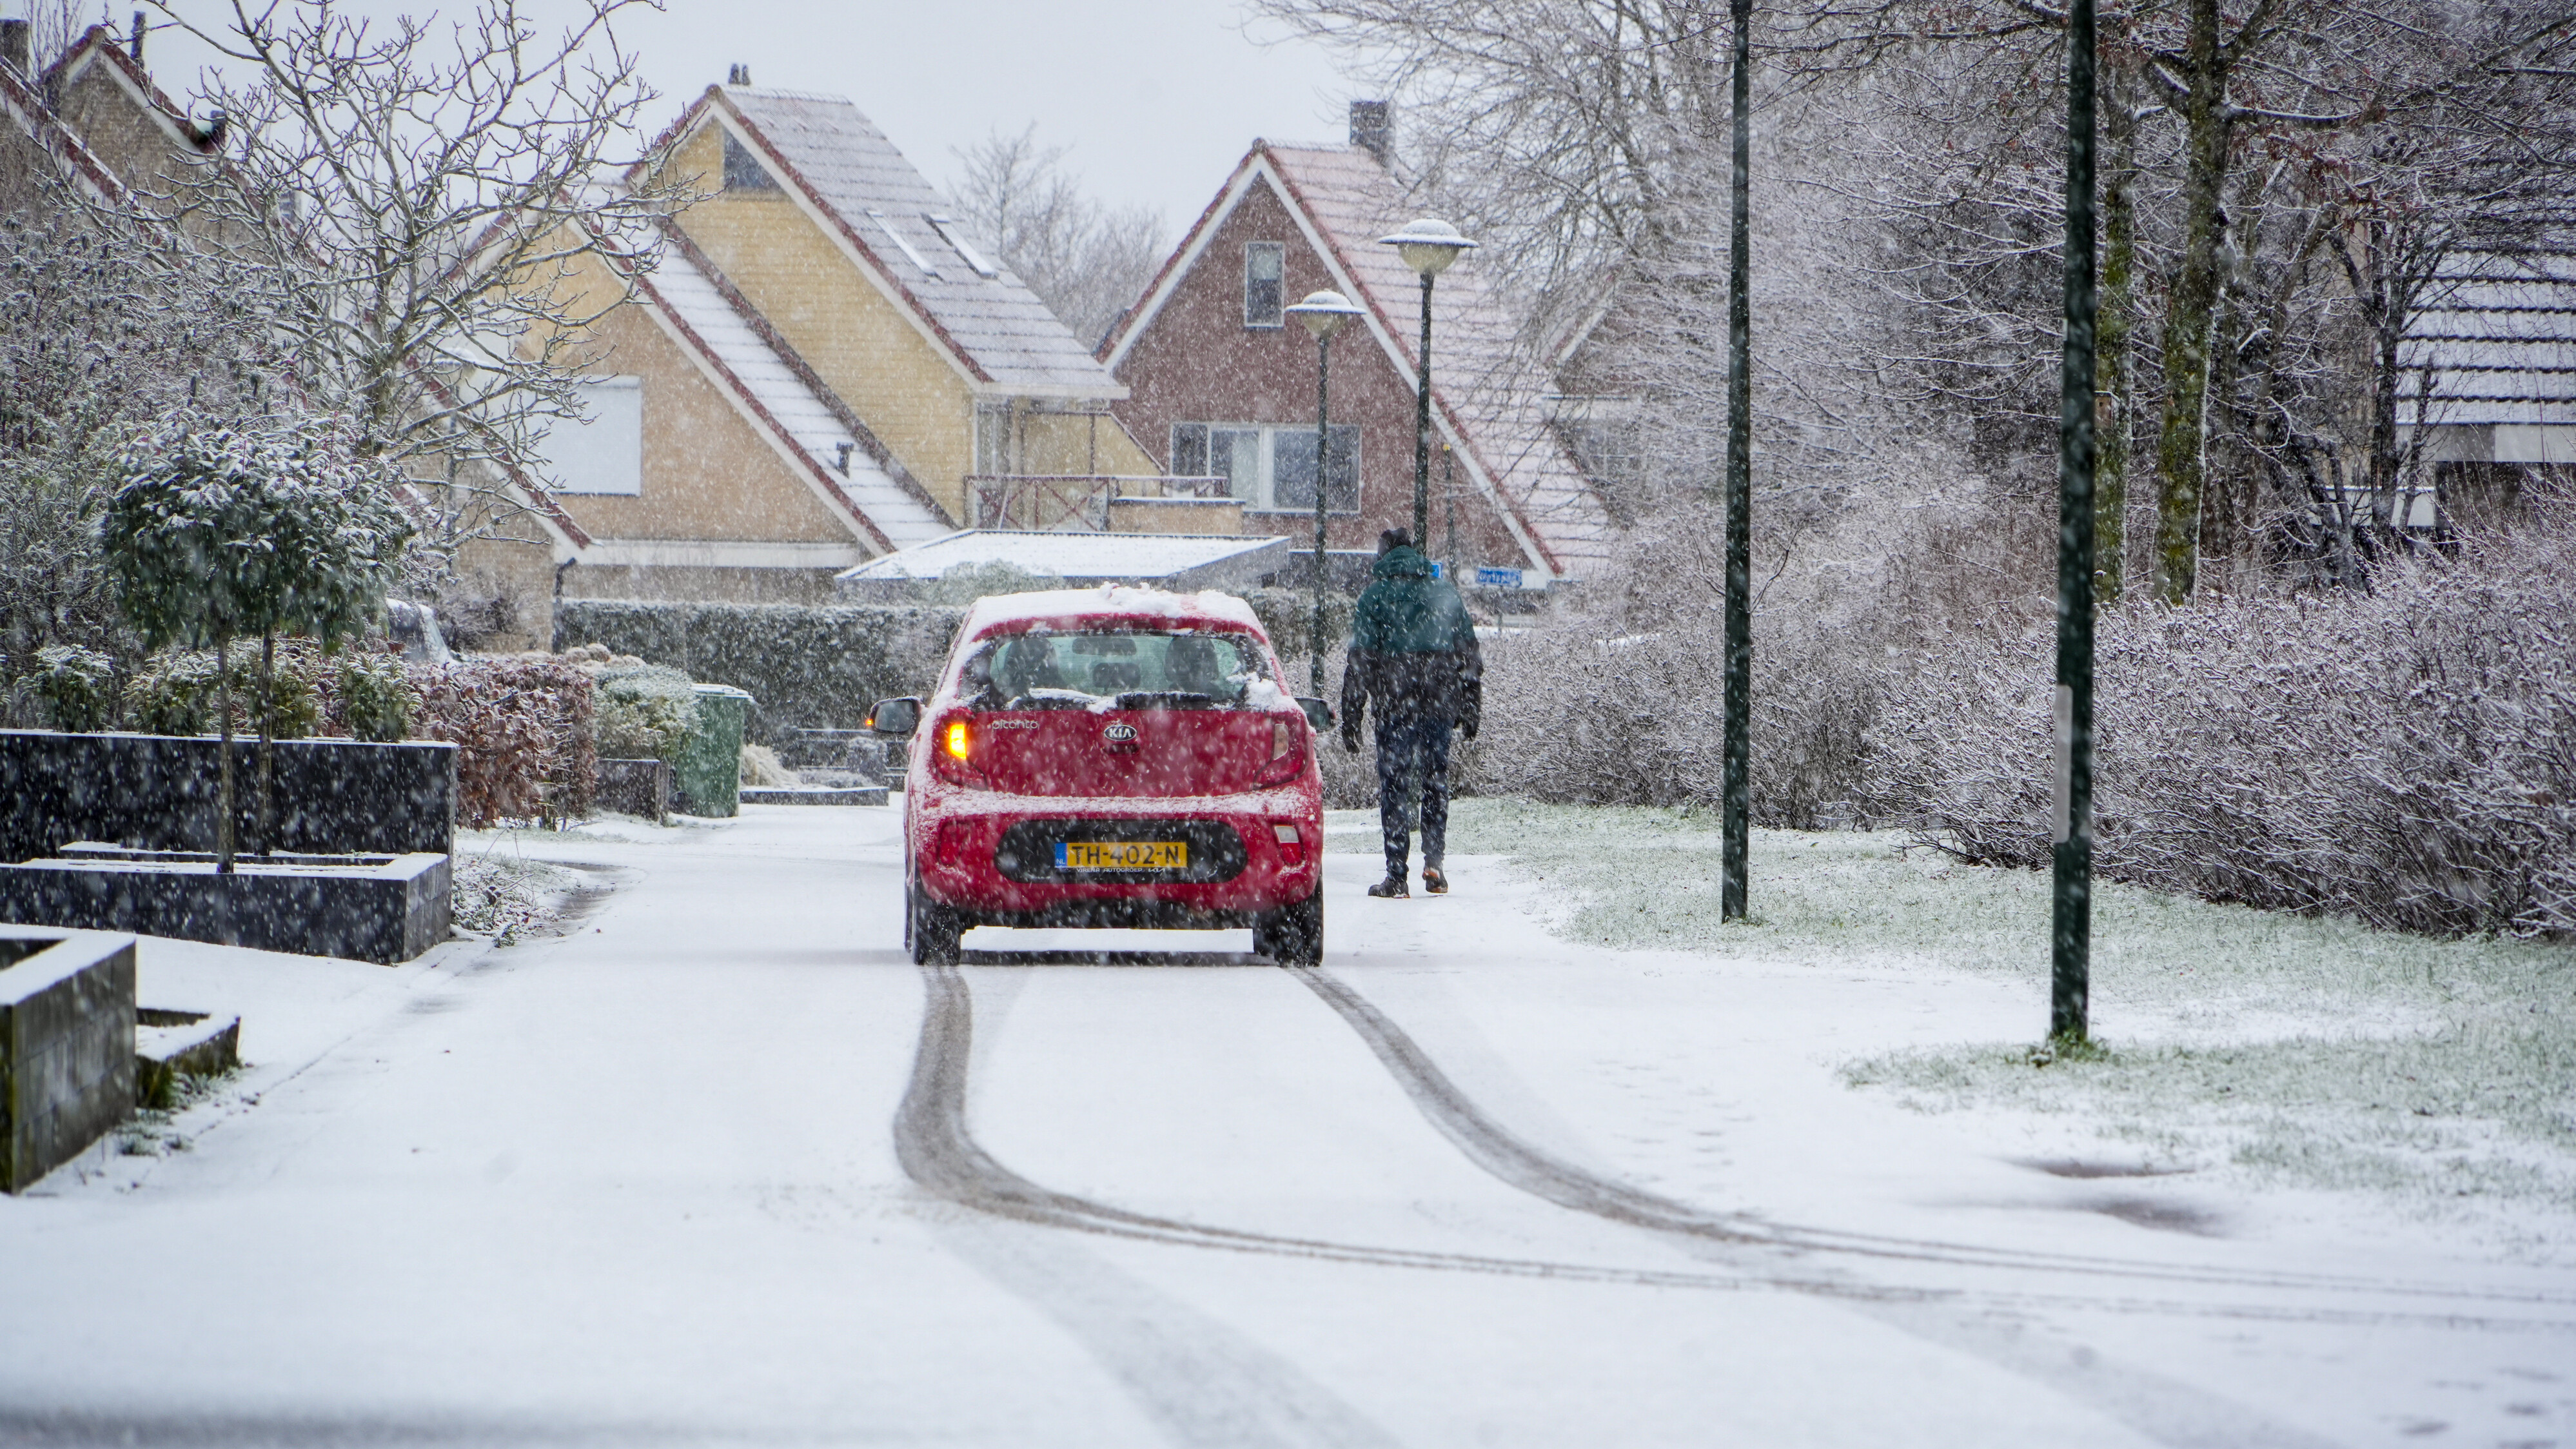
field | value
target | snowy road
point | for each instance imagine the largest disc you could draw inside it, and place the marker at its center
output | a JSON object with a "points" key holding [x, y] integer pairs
{"points": [[721, 1166]]}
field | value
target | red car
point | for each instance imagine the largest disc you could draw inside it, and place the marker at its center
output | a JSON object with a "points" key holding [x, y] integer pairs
{"points": [[1112, 757]]}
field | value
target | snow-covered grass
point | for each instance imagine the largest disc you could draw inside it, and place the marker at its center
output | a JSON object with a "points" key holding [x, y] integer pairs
{"points": [[2289, 1050], [503, 894]]}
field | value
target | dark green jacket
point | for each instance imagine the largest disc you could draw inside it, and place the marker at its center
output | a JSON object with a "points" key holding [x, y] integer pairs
{"points": [[1413, 648]]}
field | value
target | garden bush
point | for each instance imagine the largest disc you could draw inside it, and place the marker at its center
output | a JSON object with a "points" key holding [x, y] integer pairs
{"points": [[176, 691], [77, 687], [643, 712], [522, 728]]}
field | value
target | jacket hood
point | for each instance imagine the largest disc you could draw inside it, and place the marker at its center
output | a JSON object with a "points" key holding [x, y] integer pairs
{"points": [[1401, 562]]}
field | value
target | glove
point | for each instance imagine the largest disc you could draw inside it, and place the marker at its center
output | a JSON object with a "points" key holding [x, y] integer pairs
{"points": [[1351, 741], [1468, 725]]}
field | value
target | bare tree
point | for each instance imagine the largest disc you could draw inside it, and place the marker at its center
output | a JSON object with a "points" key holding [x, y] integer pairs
{"points": [[1087, 262], [414, 203], [52, 26]]}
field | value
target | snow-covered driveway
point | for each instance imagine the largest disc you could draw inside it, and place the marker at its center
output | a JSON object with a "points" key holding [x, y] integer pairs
{"points": [[722, 1166]]}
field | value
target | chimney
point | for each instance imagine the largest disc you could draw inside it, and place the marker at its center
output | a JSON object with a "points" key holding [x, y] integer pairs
{"points": [[135, 48], [1373, 129], [15, 45], [740, 75]]}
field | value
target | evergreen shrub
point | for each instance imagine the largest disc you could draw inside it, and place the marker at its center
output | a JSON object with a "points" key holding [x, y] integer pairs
{"points": [[78, 687], [643, 712]]}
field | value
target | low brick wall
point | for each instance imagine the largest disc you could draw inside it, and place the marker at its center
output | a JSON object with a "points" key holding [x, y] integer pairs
{"points": [[384, 911], [66, 1046], [157, 792]]}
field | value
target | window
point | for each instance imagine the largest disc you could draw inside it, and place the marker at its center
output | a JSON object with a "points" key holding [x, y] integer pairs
{"points": [[951, 233], [886, 224], [1271, 467], [742, 170], [1139, 669], [602, 452], [1264, 263], [992, 438]]}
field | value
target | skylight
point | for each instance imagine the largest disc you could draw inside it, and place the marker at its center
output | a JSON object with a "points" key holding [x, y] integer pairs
{"points": [[886, 224], [955, 236]]}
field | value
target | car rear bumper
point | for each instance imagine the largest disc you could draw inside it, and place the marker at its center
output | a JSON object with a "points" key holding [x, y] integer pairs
{"points": [[968, 860]]}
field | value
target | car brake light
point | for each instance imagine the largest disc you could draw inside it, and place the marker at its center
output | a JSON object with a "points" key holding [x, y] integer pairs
{"points": [[955, 739]]}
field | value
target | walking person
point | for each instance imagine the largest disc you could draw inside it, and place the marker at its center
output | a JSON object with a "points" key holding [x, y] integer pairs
{"points": [[1414, 655]]}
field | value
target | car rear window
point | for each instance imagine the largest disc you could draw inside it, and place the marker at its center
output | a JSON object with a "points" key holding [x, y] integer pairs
{"points": [[1121, 670]]}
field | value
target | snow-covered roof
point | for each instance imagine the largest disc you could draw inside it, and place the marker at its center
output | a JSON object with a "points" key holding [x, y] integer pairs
{"points": [[994, 326], [2499, 338], [1489, 393], [1171, 559], [1124, 600], [829, 454]]}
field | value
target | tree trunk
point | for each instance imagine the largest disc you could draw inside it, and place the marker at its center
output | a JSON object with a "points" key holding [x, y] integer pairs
{"points": [[224, 754], [2188, 318], [2111, 338], [267, 743]]}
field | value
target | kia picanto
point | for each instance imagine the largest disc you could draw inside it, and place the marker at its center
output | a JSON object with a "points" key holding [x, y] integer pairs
{"points": [[1113, 757]]}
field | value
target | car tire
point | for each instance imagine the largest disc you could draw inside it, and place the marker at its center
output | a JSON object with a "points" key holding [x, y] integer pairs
{"points": [[1293, 935], [931, 930]]}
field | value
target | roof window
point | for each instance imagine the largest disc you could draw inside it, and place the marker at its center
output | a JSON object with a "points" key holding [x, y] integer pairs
{"points": [[885, 224], [951, 233], [742, 169]]}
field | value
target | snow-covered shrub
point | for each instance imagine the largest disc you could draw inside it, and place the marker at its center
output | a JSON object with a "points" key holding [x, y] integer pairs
{"points": [[962, 586], [643, 712], [761, 766], [370, 697], [77, 686], [2406, 757], [817, 666], [522, 728], [176, 691]]}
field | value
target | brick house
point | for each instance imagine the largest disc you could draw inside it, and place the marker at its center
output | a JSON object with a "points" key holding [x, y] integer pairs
{"points": [[1220, 382]]}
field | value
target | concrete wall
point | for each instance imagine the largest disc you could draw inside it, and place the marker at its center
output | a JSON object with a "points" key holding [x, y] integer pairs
{"points": [[158, 792], [66, 1046], [386, 914]]}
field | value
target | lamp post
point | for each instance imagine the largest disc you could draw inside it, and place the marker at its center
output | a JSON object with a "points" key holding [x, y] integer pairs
{"points": [[1736, 816], [1323, 314], [2071, 900], [1428, 245]]}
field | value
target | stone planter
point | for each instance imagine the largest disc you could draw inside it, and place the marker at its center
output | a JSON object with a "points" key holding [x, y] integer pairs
{"points": [[366, 908], [66, 1046]]}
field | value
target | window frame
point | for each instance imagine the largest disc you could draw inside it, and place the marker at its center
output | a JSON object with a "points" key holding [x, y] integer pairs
{"points": [[1195, 442], [1277, 252]]}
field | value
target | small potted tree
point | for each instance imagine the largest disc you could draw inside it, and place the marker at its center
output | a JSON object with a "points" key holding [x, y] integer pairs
{"points": [[221, 533]]}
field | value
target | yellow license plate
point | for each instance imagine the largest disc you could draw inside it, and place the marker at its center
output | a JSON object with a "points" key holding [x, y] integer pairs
{"points": [[1122, 855]]}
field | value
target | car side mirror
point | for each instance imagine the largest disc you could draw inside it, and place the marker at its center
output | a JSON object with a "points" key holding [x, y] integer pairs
{"points": [[895, 716], [1318, 713]]}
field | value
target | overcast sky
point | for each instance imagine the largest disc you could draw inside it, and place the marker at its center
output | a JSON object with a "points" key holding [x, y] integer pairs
{"points": [[1156, 98]]}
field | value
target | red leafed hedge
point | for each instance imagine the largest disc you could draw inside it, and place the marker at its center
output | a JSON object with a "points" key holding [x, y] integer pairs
{"points": [[522, 732]]}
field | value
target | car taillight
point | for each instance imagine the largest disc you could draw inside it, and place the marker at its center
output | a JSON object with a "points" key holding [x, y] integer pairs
{"points": [[952, 751], [1285, 758], [1292, 848]]}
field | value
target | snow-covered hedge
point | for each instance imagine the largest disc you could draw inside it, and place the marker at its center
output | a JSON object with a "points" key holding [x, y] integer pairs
{"points": [[522, 727], [2406, 757], [817, 666]]}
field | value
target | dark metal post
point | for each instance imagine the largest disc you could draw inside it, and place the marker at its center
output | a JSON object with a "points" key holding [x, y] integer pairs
{"points": [[1323, 456], [2071, 914], [1422, 430], [1739, 496]]}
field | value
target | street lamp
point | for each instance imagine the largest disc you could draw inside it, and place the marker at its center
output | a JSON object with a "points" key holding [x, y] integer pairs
{"points": [[1428, 245], [1323, 314]]}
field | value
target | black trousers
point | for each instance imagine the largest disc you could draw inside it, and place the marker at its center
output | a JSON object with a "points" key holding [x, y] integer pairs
{"points": [[1400, 744]]}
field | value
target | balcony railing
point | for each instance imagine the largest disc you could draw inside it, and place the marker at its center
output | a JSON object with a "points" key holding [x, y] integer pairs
{"points": [[1068, 502]]}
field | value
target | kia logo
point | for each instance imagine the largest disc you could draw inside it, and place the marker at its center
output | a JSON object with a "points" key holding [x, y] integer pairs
{"points": [[1119, 733]]}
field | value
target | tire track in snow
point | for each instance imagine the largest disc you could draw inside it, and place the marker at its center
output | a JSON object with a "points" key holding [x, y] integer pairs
{"points": [[1504, 1155]]}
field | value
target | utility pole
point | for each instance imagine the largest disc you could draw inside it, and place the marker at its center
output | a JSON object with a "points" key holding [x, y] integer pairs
{"points": [[2071, 905], [1739, 494]]}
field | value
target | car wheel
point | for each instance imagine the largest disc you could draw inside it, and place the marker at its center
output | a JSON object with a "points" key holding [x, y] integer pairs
{"points": [[931, 930], [1293, 935]]}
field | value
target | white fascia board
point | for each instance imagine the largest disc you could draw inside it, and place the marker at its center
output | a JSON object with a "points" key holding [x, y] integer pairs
{"points": [[837, 230], [1052, 392], [789, 453], [168, 123], [1349, 286], [716, 553], [1192, 249]]}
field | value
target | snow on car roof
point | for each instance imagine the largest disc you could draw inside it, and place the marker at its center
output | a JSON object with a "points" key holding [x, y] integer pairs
{"points": [[1110, 603]]}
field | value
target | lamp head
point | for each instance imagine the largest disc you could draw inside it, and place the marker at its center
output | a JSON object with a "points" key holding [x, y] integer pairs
{"points": [[1323, 313], [1428, 244]]}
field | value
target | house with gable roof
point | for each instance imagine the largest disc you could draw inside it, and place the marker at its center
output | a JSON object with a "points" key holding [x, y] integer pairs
{"points": [[2487, 374], [1218, 383]]}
